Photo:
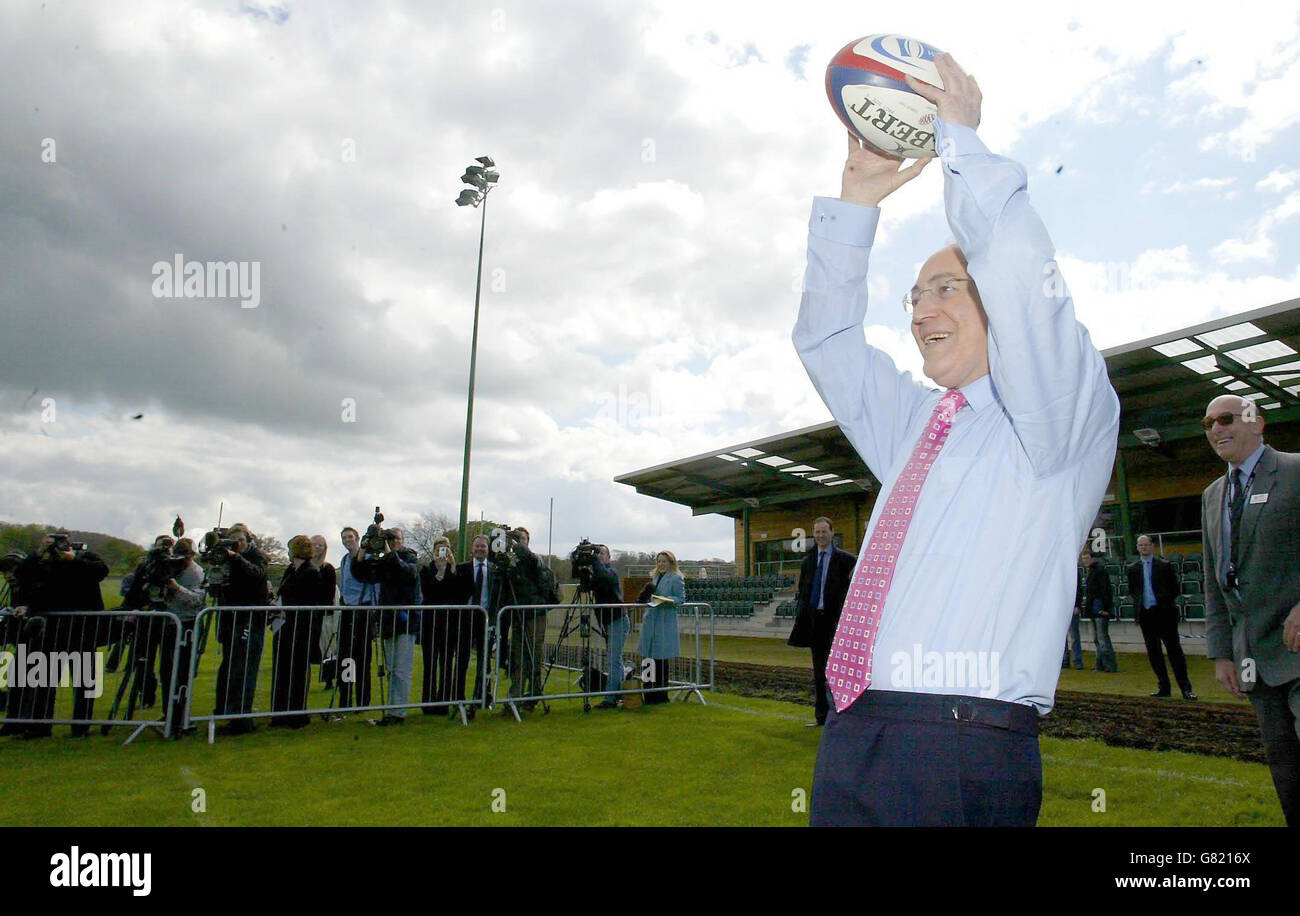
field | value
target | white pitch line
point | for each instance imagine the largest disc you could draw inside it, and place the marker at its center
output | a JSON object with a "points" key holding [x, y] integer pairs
{"points": [[1170, 774]]}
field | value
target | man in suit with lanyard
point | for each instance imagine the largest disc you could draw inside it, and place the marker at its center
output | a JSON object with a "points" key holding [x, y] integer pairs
{"points": [[1250, 530], [1154, 587], [824, 580]]}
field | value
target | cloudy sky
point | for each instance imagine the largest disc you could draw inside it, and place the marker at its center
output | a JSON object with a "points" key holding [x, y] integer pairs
{"points": [[644, 245]]}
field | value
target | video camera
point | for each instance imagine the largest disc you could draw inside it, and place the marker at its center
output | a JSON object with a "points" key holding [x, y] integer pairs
{"points": [[583, 563], [215, 560], [160, 565], [501, 546], [62, 544], [376, 537]]}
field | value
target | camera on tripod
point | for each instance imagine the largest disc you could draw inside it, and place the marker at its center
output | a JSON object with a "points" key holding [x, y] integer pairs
{"points": [[376, 537], [583, 563], [501, 546]]}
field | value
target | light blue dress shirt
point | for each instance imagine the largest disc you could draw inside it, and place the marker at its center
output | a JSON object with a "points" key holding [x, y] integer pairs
{"points": [[352, 591], [1148, 592], [985, 581]]}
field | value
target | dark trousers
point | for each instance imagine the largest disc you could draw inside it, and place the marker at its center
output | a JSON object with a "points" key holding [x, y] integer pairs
{"points": [[354, 656], [241, 654], [291, 666], [171, 644], [50, 634], [1160, 625], [445, 644], [821, 651], [144, 655], [660, 693], [913, 759], [1278, 711]]}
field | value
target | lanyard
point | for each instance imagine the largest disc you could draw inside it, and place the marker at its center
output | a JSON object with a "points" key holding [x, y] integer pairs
{"points": [[1245, 487]]}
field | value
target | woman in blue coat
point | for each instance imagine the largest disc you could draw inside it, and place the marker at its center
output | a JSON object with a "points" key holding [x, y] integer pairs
{"points": [[659, 624]]}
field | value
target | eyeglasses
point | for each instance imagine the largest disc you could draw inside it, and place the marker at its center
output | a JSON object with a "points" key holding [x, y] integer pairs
{"points": [[1223, 419], [945, 290]]}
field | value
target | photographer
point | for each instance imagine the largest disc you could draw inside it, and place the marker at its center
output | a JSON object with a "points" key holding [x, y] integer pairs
{"points": [[146, 593], [301, 586], [528, 582], [607, 589], [185, 599], [242, 634], [396, 572], [356, 625], [60, 577], [444, 635]]}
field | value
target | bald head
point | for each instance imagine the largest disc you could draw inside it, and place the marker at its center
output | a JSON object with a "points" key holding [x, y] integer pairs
{"points": [[948, 320], [1236, 441]]}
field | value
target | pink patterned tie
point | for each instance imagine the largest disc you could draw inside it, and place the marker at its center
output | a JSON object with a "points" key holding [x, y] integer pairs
{"points": [[848, 670]]}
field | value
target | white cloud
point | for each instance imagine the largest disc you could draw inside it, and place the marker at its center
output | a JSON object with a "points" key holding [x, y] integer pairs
{"points": [[1278, 180]]}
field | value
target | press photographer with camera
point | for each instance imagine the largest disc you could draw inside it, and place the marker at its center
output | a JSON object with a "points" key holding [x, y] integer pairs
{"points": [[444, 635], [300, 586], [607, 589], [383, 559], [185, 598], [61, 576], [523, 580], [237, 575], [147, 593]]}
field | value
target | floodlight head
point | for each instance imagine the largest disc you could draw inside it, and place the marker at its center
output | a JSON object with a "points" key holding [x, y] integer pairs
{"points": [[491, 177], [467, 198], [486, 160], [476, 180]]}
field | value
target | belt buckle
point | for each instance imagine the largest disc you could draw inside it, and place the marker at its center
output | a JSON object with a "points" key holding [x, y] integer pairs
{"points": [[963, 710]]}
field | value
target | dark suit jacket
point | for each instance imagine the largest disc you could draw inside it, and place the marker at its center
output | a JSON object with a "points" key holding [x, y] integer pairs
{"points": [[1164, 582], [1247, 623], [839, 575]]}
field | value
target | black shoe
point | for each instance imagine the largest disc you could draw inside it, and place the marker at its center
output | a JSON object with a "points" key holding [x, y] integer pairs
{"points": [[469, 713], [607, 704], [1188, 695], [33, 734], [1161, 693]]}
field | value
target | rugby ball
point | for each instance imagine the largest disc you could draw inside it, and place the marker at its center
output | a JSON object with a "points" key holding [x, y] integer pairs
{"points": [[865, 85]]}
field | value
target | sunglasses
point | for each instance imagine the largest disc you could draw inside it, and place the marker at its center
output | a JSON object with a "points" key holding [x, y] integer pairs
{"points": [[1223, 419]]}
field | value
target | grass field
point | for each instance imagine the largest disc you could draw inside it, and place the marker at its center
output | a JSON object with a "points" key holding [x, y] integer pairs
{"points": [[737, 761]]}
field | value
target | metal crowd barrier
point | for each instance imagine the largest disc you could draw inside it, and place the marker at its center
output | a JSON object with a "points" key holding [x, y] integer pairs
{"points": [[252, 683], [537, 641], [109, 656]]}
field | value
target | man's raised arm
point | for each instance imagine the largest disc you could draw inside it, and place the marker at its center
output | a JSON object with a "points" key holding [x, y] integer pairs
{"points": [[1047, 371], [865, 391]]}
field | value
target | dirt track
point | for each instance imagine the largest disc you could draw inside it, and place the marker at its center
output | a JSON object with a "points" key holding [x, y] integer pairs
{"points": [[1216, 729]]}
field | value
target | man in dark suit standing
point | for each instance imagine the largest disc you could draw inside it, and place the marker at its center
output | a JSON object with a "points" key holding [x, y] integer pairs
{"points": [[1250, 530], [1154, 587], [824, 580], [475, 573]]}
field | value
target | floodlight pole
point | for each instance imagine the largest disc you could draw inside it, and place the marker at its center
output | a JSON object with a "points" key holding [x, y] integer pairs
{"points": [[469, 405]]}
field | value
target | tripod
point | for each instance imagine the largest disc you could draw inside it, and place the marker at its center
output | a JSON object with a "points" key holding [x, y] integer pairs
{"points": [[578, 618]]}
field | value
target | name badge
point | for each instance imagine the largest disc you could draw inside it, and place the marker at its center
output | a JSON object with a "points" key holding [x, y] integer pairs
{"points": [[1258, 498]]}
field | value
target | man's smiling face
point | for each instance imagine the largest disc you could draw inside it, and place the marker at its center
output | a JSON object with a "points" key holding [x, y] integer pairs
{"points": [[948, 322]]}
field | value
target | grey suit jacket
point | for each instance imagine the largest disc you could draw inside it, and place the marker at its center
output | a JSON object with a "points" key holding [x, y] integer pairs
{"points": [[1247, 623]]}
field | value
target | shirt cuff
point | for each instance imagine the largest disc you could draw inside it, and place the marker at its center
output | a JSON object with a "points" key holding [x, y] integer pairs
{"points": [[838, 221], [953, 140]]}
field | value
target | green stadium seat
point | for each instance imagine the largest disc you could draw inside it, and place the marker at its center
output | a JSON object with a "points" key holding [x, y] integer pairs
{"points": [[1194, 610], [1127, 610]]}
